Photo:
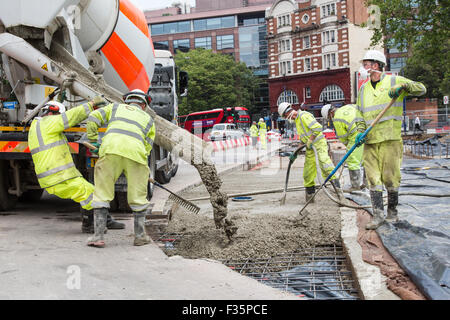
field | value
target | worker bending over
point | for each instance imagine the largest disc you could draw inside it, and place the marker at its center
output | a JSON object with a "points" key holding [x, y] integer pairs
{"points": [[53, 162], [383, 149], [125, 148], [310, 133], [344, 121]]}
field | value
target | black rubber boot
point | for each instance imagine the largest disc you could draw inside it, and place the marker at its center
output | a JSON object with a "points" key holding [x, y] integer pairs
{"points": [[140, 235], [392, 213], [113, 224], [87, 221], [378, 210], [100, 227], [309, 193], [355, 179]]}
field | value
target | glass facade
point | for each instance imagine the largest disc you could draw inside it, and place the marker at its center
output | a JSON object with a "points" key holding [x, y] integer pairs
{"points": [[171, 27], [225, 42], [182, 44], [214, 23], [204, 42], [161, 45], [253, 49]]}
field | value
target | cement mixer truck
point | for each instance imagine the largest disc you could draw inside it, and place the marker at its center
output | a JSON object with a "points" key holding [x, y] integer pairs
{"points": [[46, 47]]}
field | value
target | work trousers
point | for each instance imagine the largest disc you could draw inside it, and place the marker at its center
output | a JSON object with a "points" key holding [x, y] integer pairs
{"points": [[325, 163], [108, 169], [382, 163], [254, 141], [78, 189], [262, 139], [354, 159]]}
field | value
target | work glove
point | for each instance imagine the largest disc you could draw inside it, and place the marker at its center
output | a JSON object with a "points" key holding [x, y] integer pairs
{"points": [[359, 140], [98, 102], [309, 144], [97, 146], [292, 157], [396, 90]]}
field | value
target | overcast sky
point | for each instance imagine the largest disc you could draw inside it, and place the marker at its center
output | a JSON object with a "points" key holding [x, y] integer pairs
{"points": [[157, 4]]}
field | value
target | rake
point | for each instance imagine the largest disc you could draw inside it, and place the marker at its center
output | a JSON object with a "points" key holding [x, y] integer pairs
{"points": [[176, 198]]}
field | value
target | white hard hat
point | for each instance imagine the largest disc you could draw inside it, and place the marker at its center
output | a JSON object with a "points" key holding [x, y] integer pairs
{"points": [[375, 55], [137, 96], [261, 120], [283, 108], [54, 106], [325, 109]]}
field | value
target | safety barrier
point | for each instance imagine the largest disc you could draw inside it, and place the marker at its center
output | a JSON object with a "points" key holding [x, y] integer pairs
{"points": [[232, 143]]}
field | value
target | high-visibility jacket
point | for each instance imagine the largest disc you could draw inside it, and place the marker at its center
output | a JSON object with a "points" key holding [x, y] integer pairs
{"points": [[344, 121], [130, 132], [307, 125], [371, 102], [262, 127], [254, 130], [51, 155]]}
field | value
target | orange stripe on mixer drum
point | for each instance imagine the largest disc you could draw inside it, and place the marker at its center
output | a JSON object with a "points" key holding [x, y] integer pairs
{"points": [[126, 64], [134, 15]]}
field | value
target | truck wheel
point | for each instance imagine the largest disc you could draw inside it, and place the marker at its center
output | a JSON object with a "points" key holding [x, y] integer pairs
{"points": [[31, 195], [7, 201]]}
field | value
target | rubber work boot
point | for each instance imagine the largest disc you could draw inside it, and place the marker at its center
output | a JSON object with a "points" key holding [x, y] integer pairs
{"points": [[392, 213], [337, 188], [309, 193], [113, 224], [378, 210], [99, 228], [87, 221], [140, 236], [355, 179]]}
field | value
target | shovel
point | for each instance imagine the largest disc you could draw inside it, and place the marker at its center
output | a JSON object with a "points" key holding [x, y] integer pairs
{"points": [[283, 197]]}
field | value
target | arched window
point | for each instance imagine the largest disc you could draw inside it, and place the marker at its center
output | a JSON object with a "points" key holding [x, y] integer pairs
{"points": [[332, 93], [287, 96]]}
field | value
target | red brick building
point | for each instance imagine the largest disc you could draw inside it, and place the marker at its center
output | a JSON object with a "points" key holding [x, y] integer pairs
{"points": [[314, 51]]}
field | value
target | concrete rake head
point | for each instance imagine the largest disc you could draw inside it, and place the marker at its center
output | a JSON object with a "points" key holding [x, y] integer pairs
{"points": [[184, 203]]}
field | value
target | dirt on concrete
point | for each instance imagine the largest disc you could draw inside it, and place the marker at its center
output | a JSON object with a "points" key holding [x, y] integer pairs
{"points": [[265, 228]]}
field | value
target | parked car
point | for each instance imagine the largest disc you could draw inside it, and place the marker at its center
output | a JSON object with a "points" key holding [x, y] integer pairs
{"points": [[225, 131]]}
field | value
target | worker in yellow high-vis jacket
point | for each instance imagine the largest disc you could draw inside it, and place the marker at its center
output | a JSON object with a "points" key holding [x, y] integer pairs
{"points": [[53, 163], [125, 148], [262, 133], [310, 133], [344, 121], [383, 148], [254, 134]]}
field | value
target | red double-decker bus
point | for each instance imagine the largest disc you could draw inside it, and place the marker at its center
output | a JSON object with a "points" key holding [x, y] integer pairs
{"points": [[199, 122]]}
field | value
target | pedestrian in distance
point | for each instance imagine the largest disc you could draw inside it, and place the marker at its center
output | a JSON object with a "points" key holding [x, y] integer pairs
{"points": [[310, 133], [383, 148], [345, 121], [417, 125], [53, 162], [125, 148]]}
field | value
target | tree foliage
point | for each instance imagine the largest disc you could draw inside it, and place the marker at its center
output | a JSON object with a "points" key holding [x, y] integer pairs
{"points": [[215, 81], [422, 28]]}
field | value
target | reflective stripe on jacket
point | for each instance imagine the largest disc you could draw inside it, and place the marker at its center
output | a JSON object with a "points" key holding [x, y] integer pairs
{"points": [[51, 155], [371, 102], [130, 132], [254, 131], [306, 126], [344, 121]]}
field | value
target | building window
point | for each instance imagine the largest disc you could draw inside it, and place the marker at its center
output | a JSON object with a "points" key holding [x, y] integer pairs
{"points": [[307, 64], [161, 45], [285, 67], [396, 64], [308, 92], [204, 42], [284, 20], [225, 42], [328, 37], [285, 45], [328, 10], [182, 44], [329, 60], [214, 23], [172, 27], [287, 96], [305, 18], [331, 93], [306, 42]]}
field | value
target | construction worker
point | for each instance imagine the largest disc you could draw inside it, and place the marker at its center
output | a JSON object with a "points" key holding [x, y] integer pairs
{"points": [[254, 134], [310, 133], [344, 121], [53, 163], [125, 148], [262, 133], [383, 149]]}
